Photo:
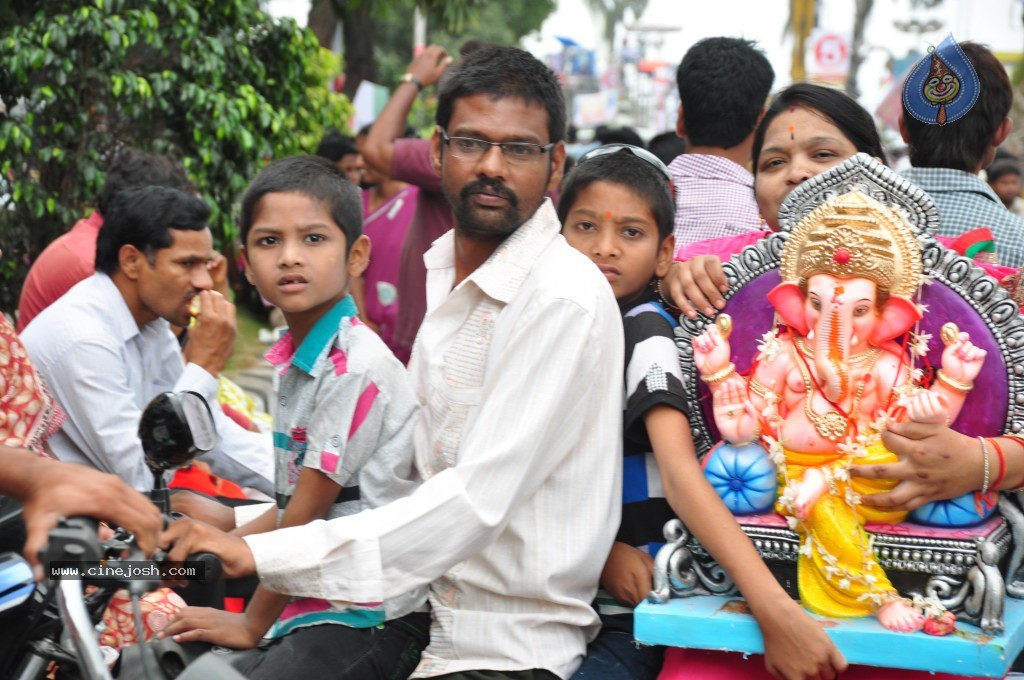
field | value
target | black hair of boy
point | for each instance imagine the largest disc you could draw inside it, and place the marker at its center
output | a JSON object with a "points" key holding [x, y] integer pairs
{"points": [[334, 146], [503, 72], [314, 177], [625, 169], [620, 135], [131, 167], [837, 107], [143, 217], [723, 85], [963, 143], [667, 146]]}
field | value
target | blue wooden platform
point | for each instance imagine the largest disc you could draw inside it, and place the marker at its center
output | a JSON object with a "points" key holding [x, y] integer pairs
{"points": [[724, 623]]}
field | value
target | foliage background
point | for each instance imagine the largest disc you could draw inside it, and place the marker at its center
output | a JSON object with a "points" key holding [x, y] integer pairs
{"points": [[378, 34], [217, 84]]}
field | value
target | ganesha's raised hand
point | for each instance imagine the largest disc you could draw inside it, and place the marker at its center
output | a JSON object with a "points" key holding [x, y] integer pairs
{"points": [[961, 360], [711, 349], [734, 414]]}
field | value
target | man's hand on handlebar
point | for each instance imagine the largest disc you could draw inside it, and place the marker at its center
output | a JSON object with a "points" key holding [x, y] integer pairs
{"points": [[49, 490], [187, 536]]}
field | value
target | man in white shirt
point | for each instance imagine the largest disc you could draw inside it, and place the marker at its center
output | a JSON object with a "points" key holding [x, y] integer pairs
{"points": [[518, 366], [105, 348]]}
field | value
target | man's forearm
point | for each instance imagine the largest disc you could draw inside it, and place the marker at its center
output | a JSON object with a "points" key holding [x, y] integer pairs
{"points": [[388, 127], [17, 469], [426, 69]]}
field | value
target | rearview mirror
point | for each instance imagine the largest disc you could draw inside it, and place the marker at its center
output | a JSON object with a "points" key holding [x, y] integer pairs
{"points": [[175, 428]]}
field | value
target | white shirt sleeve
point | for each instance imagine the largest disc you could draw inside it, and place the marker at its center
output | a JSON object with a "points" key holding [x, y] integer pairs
{"points": [[91, 383], [530, 418], [244, 457]]}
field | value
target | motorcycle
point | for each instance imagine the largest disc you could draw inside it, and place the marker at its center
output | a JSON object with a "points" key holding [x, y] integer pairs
{"points": [[62, 619]]}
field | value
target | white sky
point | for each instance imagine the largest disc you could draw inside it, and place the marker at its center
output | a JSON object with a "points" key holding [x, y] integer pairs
{"points": [[996, 23]]}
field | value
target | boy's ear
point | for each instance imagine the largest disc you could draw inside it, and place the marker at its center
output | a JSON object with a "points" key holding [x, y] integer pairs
{"points": [[680, 125], [904, 135], [246, 269], [665, 252], [359, 256]]}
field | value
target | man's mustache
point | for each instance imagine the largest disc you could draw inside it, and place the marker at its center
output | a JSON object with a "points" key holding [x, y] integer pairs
{"points": [[481, 186]]}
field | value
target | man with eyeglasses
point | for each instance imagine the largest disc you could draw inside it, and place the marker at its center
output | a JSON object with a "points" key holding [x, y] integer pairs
{"points": [[518, 366]]}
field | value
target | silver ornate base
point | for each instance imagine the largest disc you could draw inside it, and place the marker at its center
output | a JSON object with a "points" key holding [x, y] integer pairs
{"points": [[970, 577]]}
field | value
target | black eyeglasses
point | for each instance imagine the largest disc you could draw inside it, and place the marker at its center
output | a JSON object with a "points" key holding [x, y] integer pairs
{"points": [[515, 152], [642, 154]]}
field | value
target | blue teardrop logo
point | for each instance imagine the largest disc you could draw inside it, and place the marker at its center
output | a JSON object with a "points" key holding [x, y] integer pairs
{"points": [[943, 86]]}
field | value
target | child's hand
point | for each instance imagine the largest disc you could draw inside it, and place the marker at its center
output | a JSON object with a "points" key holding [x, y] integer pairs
{"points": [[696, 284], [796, 646], [213, 626], [628, 574]]}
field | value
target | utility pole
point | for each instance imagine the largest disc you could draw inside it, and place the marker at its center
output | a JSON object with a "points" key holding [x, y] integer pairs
{"points": [[801, 17]]}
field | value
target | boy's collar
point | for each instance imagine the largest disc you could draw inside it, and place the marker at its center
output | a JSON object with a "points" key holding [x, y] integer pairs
{"points": [[316, 340]]}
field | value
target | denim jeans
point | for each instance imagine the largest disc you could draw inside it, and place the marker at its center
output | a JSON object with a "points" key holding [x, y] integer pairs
{"points": [[614, 655], [387, 652]]}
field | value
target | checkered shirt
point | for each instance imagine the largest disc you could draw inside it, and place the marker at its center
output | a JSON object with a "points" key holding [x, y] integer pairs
{"points": [[714, 198], [965, 202]]}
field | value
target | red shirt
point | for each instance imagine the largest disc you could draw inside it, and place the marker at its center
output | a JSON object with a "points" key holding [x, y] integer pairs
{"points": [[68, 260]]}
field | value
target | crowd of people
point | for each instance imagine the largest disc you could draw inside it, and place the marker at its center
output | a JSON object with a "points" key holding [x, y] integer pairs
{"points": [[477, 433]]}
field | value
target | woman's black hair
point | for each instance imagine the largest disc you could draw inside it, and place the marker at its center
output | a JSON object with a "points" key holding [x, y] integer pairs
{"points": [[844, 112]]}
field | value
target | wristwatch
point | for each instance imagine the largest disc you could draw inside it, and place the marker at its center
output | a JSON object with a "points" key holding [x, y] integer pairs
{"points": [[410, 78]]}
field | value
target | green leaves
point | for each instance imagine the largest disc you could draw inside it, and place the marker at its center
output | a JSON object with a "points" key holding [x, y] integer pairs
{"points": [[215, 84]]}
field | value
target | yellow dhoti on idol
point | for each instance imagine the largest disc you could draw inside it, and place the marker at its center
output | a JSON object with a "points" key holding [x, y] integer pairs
{"points": [[837, 572]]}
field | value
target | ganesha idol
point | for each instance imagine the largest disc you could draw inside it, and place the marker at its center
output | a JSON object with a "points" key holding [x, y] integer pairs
{"points": [[853, 316], [825, 383]]}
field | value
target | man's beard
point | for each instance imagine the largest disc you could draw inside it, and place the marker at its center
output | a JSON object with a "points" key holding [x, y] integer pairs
{"points": [[482, 223]]}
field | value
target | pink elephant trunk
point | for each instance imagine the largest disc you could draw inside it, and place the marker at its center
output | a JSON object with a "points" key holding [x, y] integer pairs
{"points": [[831, 351]]}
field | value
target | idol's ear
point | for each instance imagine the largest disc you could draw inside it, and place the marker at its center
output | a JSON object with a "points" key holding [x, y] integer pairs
{"points": [[788, 301], [897, 316]]}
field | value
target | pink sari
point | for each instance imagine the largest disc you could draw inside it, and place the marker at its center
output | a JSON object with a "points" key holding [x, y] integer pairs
{"points": [[386, 227]]}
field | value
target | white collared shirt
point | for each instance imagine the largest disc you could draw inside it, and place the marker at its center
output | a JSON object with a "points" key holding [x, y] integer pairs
{"points": [[103, 369], [519, 370]]}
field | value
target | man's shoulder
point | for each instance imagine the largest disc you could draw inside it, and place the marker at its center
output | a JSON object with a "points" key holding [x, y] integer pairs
{"points": [[81, 314], [564, 273]]}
